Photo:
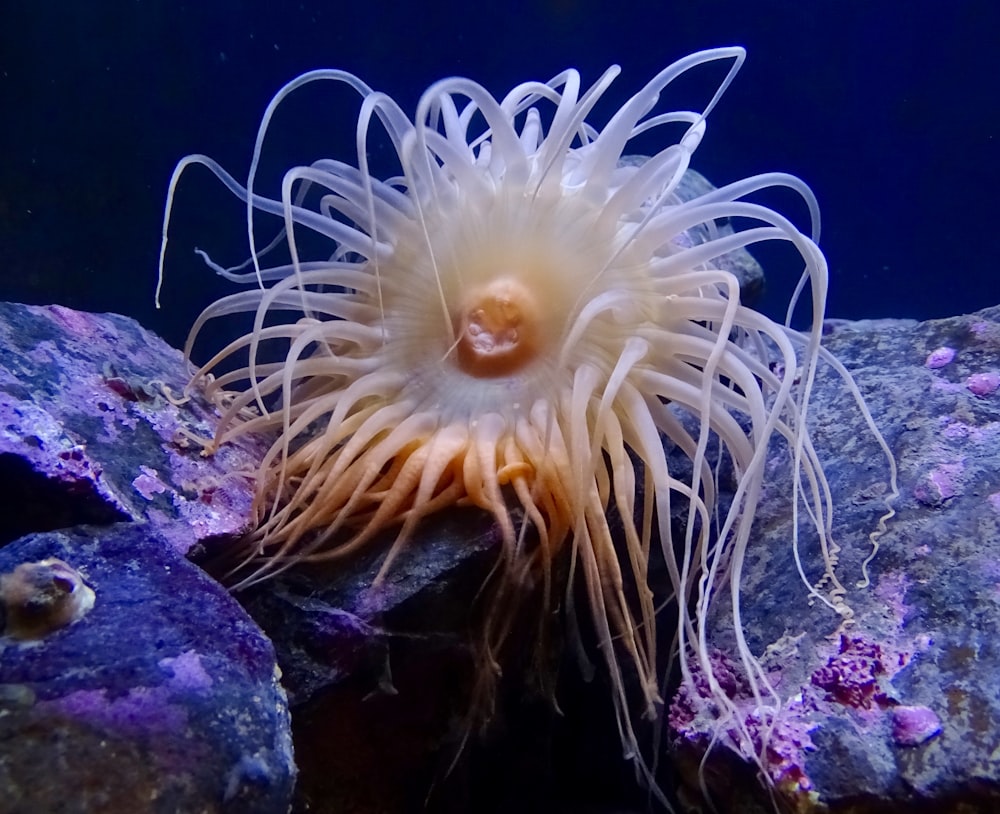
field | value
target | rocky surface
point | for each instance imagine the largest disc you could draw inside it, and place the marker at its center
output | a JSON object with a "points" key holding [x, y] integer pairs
{"points": [[88, 435], [164, 697], [92, 442], [899, 711]]}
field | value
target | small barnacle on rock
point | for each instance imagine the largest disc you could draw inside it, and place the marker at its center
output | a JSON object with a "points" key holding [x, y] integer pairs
{"points": [[38, 598]]}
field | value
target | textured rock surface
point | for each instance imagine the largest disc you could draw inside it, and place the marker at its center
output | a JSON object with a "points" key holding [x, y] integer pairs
{"points": [[87, 436], [901, 710], [385, 674], [380, 683], [163, 698], [900, 714]]}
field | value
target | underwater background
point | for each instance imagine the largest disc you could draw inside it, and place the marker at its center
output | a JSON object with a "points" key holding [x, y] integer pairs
{"points": [[888, 110]]}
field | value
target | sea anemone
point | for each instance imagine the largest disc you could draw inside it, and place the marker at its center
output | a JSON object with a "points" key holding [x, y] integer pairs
{"points": [[520, 320]]}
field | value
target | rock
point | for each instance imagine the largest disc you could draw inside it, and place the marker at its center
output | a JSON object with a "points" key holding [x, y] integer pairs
{"points": [[164, 695], [897, 712], [163, 698], [900, 711], [90, 436], [380, 680], [87, 434]]}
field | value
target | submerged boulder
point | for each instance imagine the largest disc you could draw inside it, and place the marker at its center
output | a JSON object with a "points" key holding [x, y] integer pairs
{"points": [[101, 469], [89, 434], [129, 679], [164, 696], [899, 710]]}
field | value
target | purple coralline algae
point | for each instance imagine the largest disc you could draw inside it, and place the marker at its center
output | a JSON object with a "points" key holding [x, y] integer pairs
{"points": [[940, 484], [86, 426], [900, 701], [939, 358], [912, 726], [694, 717], [851, 677], [983, 384], [142, 711]]}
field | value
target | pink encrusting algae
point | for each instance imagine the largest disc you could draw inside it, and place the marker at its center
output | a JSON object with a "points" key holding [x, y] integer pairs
{"points": [[983, 384], [940, 357]]}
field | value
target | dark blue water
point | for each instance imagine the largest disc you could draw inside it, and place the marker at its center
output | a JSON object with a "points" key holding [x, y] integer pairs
{"points": [[888, 110]]}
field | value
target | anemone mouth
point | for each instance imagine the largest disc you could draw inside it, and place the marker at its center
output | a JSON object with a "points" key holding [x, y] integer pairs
{"points": [[514, 312], [498, 329]]}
